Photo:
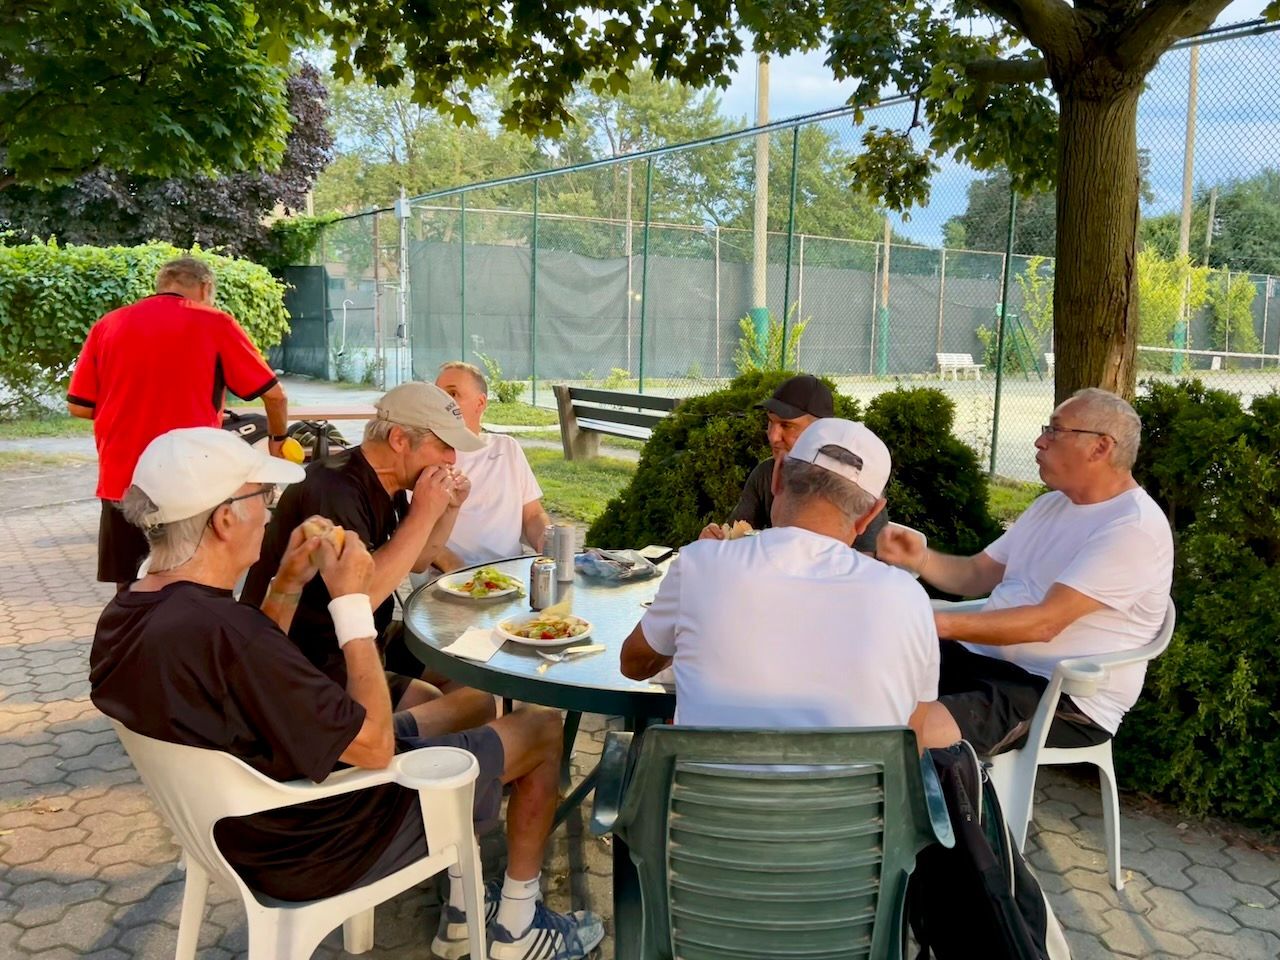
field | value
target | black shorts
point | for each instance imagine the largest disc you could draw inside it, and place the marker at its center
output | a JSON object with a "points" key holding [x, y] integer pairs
{"points": [[993, 703], [409, 844], [121, 546]]}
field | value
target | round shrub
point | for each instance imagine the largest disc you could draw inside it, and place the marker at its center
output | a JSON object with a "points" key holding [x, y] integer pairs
{"points": [[693, 468], [1206, 732]]}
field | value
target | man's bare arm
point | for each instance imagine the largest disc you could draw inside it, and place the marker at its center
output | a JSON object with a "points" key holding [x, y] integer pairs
{"points": [[80, 410], [1032, 623], [974, 576], [533, 525], [639, 660]]}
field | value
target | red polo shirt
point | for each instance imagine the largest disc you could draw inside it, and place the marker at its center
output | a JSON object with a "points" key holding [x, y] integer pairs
{"points": [[156, 365]]}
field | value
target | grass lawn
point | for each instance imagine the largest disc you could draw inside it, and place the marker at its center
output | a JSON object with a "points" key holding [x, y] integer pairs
{"points": [[520, 414], [578, 490], [19, 459], [1007, 499], [618, 443], [54, 426]]}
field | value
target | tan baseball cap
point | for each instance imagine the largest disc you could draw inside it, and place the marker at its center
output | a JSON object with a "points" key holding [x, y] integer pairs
{"points": [[424, 406]]}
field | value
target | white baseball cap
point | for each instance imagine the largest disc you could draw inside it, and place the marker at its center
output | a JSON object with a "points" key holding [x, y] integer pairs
{"points": [[864, 460], [425, 406], [186, 472]]}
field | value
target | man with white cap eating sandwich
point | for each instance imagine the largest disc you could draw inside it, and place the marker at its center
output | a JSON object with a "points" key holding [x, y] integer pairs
{"points": [[176, 658], [852, 638]]}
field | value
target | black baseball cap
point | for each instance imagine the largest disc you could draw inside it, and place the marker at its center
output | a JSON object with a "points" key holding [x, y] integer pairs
{"points": [[801, 395]]}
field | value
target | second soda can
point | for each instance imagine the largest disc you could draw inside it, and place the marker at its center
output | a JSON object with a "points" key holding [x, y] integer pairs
{"points": [[542, 583], [563, 547]]}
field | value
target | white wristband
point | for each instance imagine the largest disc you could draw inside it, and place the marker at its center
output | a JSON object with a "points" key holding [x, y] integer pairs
{"points": [[352, 618]]}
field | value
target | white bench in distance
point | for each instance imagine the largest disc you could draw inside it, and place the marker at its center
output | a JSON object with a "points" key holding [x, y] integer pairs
{"points": [[956, 363]]}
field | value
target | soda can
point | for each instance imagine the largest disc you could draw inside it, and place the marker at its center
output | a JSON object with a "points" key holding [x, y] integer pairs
{"points": [[542, 583], [564, 544], [549, 541]]}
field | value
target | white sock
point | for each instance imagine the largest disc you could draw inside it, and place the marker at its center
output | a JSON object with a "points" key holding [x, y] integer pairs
{"points": [[515, 910], [455, 888]]}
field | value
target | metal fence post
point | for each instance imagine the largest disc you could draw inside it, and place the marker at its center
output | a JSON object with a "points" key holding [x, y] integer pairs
{"points": [[644, 267], [1004, 309], [717, 320], [533, 302], [791, 237], [462, 280]]}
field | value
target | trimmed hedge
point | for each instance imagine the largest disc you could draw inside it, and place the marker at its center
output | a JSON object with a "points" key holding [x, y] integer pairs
{"points": [[50, 295], [1206, 732], [692, 470]]}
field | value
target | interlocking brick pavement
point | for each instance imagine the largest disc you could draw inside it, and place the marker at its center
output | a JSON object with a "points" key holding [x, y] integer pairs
{"points": [[88, 870]]}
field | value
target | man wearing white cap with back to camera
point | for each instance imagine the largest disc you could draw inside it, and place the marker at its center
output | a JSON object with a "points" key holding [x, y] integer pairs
{"points": [[791, 628], [176, 658]]}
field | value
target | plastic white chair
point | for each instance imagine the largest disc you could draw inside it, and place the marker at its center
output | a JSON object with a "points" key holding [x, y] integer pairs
{"points": [[924, 541], [194, 788], [1014, 773]]}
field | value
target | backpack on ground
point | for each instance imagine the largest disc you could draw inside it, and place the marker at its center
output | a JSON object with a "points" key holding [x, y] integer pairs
{"points": [[978, 899]]}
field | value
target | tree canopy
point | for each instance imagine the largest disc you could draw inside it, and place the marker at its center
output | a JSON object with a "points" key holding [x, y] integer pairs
{"points": [[153, 87], [1247, 233], [1044, 88], [109, 207]]}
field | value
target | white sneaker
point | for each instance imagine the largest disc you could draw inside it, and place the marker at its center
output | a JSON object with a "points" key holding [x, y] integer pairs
{"points": [[551, 936]]}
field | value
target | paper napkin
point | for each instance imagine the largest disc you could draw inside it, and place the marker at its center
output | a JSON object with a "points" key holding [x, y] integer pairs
{"points": [[475, 643]]}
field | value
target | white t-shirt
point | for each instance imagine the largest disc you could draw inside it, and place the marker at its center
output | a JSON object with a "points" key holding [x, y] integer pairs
{"points": [[488, 526], [1120, 553], [792, 629]]}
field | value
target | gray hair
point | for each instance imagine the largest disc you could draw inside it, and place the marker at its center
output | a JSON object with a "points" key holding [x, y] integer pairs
{"points": [[1114, 416], [171, 544], [183, 272], [804, 482], [481, 383], [379, 431]]}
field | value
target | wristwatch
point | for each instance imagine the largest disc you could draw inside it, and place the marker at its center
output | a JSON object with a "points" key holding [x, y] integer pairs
{"points": [[277, 438]]}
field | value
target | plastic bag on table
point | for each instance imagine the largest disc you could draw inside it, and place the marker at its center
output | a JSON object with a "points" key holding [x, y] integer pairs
{"points": [[613, 564]]}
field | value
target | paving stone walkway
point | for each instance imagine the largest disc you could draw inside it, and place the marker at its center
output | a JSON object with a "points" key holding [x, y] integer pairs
{"points": [[88, 870]]}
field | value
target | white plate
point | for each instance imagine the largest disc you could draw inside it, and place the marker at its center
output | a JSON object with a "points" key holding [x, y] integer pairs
{"points": [[529, 618], [451, 585]]}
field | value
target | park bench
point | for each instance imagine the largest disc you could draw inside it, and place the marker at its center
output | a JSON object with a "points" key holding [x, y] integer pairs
{"points": [[1048, 363], [586, 414], [956, 363]]}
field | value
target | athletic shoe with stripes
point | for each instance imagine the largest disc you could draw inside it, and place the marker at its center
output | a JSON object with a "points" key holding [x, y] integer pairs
{"points": [[452, 939], [551, 936]]}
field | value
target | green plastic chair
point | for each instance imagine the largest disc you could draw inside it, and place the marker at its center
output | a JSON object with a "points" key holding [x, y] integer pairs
{"points": [[765, 844]]}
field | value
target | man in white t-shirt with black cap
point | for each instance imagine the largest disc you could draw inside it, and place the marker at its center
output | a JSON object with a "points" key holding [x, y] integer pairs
{"points": [[791, 628]]}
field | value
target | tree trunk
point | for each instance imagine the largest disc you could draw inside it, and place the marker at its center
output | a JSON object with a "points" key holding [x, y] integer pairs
{"points": [[1095, 290]]}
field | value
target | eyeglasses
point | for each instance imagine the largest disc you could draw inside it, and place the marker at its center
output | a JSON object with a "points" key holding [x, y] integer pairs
{"points": [[1050, 432], [269, 493]]}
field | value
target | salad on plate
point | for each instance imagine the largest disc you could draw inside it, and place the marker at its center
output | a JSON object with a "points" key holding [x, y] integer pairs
{"points": [[482, 583], [547, 627]]}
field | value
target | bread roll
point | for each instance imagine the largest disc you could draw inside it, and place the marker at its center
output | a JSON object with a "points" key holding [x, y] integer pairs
{"points": [[735, 530], [320, 527]]}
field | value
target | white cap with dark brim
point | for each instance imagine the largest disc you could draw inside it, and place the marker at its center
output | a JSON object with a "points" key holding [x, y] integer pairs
{"points": [[189, 471], [864, 459]]}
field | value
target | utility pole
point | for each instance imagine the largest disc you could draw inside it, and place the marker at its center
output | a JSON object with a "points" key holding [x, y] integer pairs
{"points": [[1208, 227], [760, 257]]}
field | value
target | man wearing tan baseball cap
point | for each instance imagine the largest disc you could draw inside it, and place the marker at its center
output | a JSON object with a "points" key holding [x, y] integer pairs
{"points": [[408, 447]]}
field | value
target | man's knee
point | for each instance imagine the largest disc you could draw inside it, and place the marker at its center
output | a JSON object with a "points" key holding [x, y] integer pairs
{"points": [[934, 726], [543, 723]]}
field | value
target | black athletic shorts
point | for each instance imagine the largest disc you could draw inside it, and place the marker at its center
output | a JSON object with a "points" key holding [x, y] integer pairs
{"points": [[121, 546], [410, 843], [993, 703]]}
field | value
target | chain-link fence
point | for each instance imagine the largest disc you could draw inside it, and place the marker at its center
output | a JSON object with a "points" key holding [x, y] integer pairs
{"points": [[670, 272]]}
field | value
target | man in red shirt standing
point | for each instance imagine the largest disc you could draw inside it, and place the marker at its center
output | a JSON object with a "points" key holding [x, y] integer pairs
{"points": [[153, 366]]}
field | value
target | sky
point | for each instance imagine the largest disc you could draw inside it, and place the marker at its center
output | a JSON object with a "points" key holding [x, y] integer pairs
{"points": [[1238, 126]]}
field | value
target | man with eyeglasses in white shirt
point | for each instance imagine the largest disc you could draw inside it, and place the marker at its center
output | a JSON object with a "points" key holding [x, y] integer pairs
{"points": [[1085, 570]]}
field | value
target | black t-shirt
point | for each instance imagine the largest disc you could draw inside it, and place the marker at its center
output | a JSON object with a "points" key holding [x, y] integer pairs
{"points": [[187, 664], [346, 490], [756, 504]]}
